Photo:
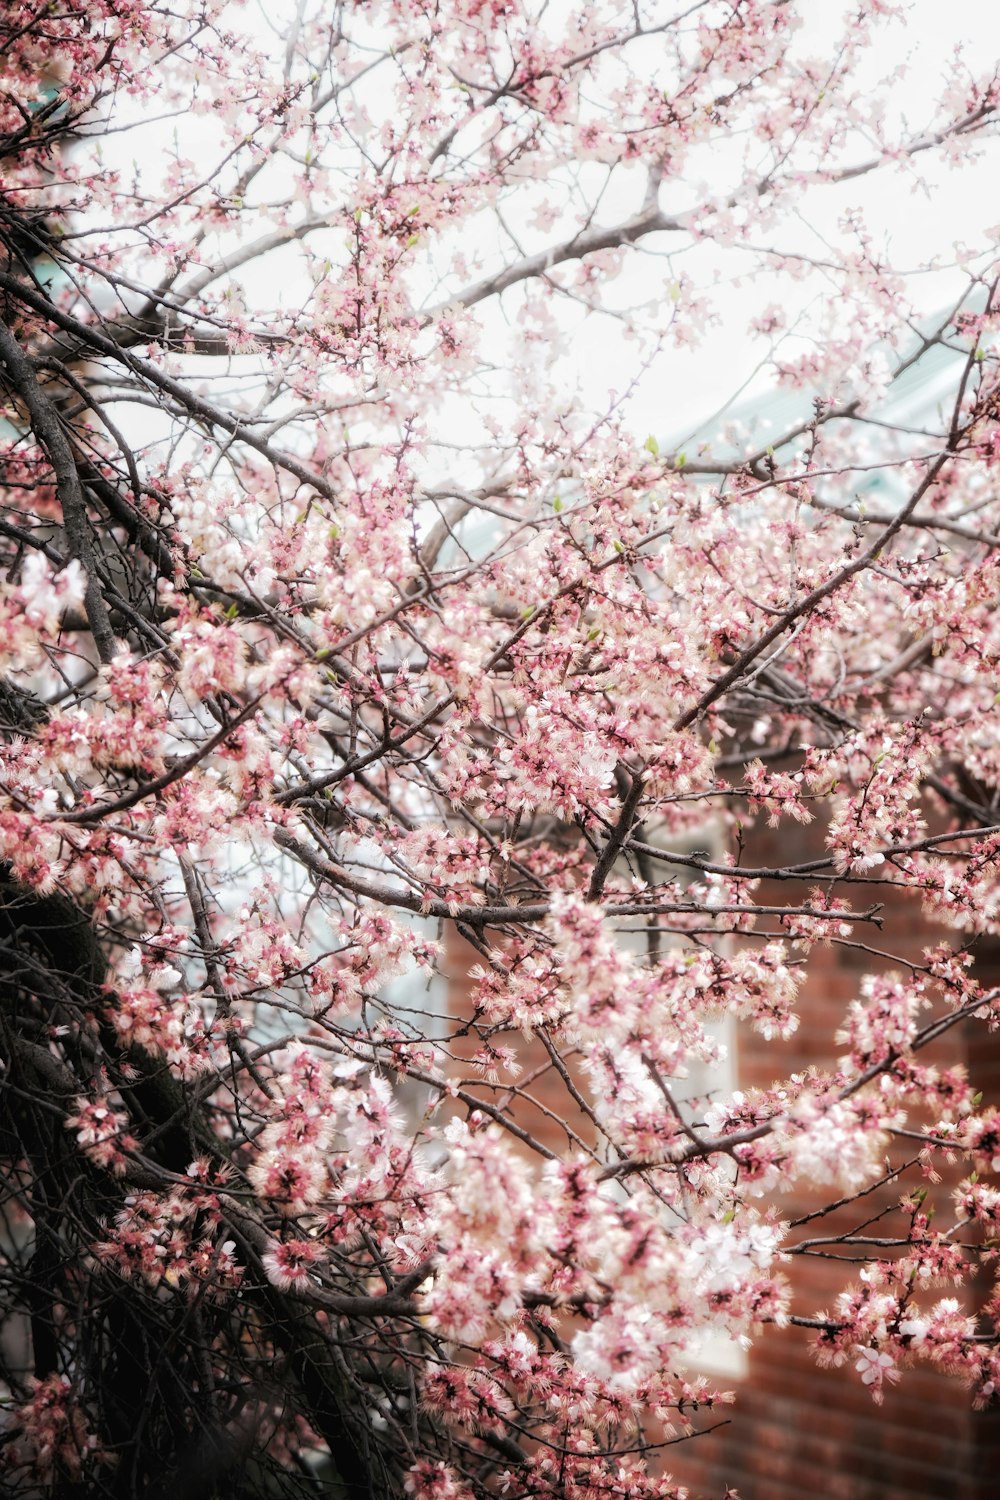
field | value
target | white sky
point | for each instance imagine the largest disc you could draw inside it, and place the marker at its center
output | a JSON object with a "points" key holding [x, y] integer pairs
{"points": [[684, 387], [914, 228]]}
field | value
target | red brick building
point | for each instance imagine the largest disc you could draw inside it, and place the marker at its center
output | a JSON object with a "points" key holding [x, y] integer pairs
{"points": [[798, 1431]]}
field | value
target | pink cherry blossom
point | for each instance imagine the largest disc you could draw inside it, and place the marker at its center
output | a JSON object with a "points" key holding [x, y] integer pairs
{"points": [[498, 634]]}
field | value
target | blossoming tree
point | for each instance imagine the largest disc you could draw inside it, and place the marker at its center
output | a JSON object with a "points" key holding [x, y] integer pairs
{"points": [[365, 684]]}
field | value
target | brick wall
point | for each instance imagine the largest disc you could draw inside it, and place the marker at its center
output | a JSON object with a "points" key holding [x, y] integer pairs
{"points": [[798, 1432]]}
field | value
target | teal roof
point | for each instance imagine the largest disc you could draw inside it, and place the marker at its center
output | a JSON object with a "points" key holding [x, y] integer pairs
{"points": [[917, 400]]}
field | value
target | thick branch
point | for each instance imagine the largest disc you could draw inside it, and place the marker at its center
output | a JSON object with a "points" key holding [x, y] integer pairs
{"points": [[649, 221], [49, 432]]}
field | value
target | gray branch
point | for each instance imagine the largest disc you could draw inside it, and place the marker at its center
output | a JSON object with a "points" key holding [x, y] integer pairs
{"points": [[48, 429]]}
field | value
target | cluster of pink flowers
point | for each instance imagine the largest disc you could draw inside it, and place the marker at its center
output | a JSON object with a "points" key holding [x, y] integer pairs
{"points": [[101, 1128], [173, 1238], [52, 1438]]}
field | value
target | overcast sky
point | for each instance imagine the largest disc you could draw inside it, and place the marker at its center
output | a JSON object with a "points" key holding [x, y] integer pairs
{"points": [[684, 387], [912, 228]]}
